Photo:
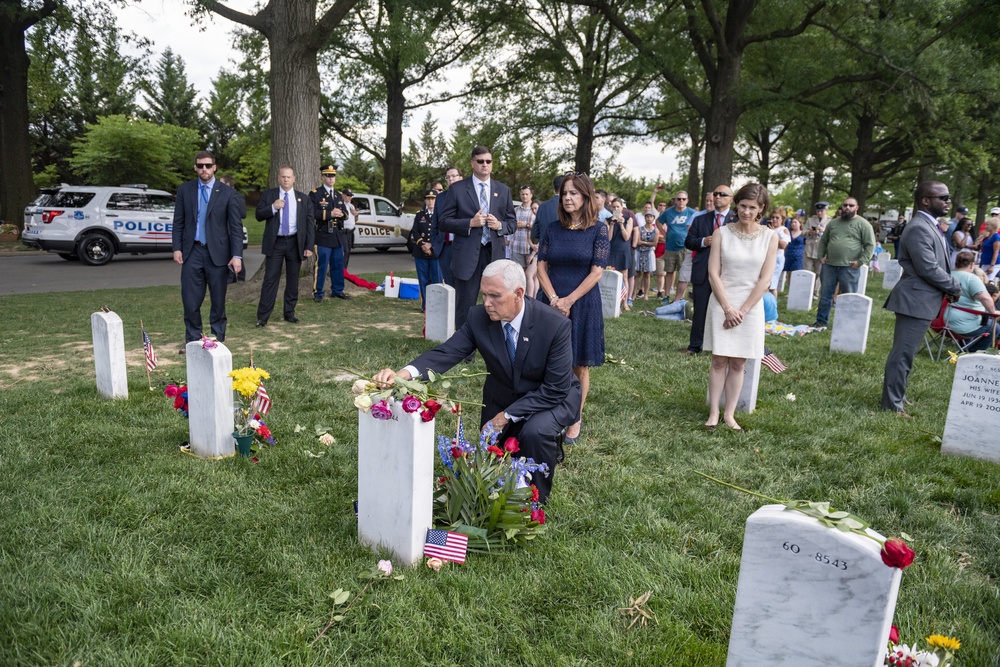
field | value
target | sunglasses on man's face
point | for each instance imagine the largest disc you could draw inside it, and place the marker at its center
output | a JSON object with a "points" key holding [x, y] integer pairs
{"points": [[208, 165], [482, 161], [944, 198], [722, 194]]}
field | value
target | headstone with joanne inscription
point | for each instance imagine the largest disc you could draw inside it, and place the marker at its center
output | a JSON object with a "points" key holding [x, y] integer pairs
{"points": [[109, 354], [973, 420], [611, 293], [210, 400], [800, 290], [850, 324], [893, 272], [809, 595], [439, 324], [395, 482]]}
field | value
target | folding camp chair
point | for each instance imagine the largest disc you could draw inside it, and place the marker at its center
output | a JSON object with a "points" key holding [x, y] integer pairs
{"points": [[940, 334]]}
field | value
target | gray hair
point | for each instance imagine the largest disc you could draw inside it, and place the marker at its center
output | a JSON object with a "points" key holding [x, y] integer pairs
{"points": [[509, 271]]}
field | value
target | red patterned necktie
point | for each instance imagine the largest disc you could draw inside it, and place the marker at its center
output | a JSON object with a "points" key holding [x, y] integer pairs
{"points": [[718, 220]]}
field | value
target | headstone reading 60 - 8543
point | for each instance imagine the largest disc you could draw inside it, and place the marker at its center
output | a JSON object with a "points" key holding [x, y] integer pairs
{"points": [[109, 354], [210, 400], [395, 482], [800, 290], [973, 420], [893, 272], [439, 323], [810, 596], [611, 293], [850, 324]]}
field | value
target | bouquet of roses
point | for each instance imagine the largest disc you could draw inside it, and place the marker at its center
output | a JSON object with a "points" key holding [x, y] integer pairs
{"points": [[486, 494], [180, 395], [414, 395]]}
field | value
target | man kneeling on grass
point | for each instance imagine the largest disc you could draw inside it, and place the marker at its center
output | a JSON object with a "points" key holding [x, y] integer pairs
{"points": [[531, 392]]}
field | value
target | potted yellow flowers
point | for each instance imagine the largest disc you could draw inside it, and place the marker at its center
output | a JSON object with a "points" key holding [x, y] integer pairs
{"points": [[246, 382]]}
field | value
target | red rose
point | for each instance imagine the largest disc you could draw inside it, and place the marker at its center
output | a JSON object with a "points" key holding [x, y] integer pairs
{"points": [[538, 515], [493, 449], [442, 479], [457, 453], [534, 493], [426, 415], [455, 409], [255, 460], [894, 635], [512, 445], [432, 405], [178, 402], [895, 553]]}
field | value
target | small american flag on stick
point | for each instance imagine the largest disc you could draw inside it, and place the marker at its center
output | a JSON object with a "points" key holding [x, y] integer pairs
{"points": [[772, 363], [147, 346], [261, 401], [446, 545]]}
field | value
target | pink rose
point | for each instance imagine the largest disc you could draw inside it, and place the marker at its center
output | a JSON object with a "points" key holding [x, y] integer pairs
{"points": [[381, 410], [171, 390], [385, 566], [411, 403]]}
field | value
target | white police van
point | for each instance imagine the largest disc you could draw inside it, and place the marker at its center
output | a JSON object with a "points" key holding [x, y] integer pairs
{"points": [[92, 223]]}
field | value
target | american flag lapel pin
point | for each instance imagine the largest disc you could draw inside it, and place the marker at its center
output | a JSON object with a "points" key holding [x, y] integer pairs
{"points": [[525, 339]]}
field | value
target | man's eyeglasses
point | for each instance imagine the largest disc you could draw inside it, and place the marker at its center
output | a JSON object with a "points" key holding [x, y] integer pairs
{"points": [[208, 165], [722, 194], [482, 161], [681, 198], [944, 198]]}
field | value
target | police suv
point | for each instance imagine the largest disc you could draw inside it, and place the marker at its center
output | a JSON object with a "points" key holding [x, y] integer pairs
{"points": [[92, 223], [381, 224]]}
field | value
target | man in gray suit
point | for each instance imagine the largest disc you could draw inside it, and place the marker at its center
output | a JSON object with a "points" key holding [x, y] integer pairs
{"points": [[916, 298]]}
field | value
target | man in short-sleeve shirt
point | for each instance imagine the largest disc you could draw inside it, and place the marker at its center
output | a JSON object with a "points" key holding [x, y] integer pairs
{"points": [[675, 222]]}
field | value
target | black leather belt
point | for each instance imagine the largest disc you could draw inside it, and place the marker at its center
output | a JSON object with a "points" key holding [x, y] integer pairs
{"points": [[199, 243], [287, 236]]}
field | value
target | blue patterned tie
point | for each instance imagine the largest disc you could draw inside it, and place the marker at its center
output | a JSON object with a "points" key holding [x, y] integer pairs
{"points": [[199, 235], [511, 343], [285, 224], [484, 204]]}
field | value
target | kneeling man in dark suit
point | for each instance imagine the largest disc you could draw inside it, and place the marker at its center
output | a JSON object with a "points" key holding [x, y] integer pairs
{"points": [[531, 392]]}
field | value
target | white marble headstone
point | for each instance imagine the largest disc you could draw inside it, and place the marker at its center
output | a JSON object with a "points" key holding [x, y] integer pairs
{"points": [[395, 483], [851, 321], [893, 272], [439, 323], [611, 293], [747, 401], [973, 420], [862, 279], [800, 290], [210, 400], [109, 354], [810, 596]]}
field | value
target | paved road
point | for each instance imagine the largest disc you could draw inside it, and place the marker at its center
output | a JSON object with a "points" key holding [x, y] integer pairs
{"points": [[34, 272]]}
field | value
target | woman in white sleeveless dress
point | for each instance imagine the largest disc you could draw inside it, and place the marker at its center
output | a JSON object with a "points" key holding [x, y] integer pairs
{"points": [[740, 268]]}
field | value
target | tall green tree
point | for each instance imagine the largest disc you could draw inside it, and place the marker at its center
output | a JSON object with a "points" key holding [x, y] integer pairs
{"points": [[170, 97], [295, 35]]}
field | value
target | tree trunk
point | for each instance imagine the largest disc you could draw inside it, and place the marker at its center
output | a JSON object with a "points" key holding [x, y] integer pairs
{"points": [[584, 139], [17, 188], [817, 188], [694, 160], [983, 199], [392, 168], [862, 158], [720, 126], [295, 90]]}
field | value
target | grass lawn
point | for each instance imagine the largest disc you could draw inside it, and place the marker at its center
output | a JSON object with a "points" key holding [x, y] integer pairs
{"points": [[119, 550]]}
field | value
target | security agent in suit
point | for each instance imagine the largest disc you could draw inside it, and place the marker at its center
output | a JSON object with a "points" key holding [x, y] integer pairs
{"points": [[241, 199], [442, 241], [288, 238], [532, 398], [699, 242], [479, 211], [330, 212], [916, 298], [548, 212], [207, 241]]}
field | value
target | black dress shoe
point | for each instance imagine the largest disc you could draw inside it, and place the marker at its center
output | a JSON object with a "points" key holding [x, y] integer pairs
{"points": [[345, 297], [261, 323], [291, 318], [318, 299]]}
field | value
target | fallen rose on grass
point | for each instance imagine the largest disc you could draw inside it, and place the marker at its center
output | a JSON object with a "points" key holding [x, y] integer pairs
{"points": [[435, 564], [895, 553], [326, 439], [385, 566]]}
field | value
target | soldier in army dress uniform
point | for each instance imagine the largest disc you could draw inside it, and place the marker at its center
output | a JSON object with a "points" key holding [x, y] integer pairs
{"points": [[331, 213], [428, 270]]}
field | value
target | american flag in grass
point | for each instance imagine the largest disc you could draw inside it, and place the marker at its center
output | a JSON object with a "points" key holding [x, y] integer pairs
{"points": [[446, 545], [772, 363]]}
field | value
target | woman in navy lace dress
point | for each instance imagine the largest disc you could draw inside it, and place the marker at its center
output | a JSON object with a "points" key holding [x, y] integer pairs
{"points": [[571, 259]]}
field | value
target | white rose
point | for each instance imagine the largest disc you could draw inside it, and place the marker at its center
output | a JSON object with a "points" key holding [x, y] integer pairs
{"points": [[360, 386], [326, 439], [363, 402]]}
